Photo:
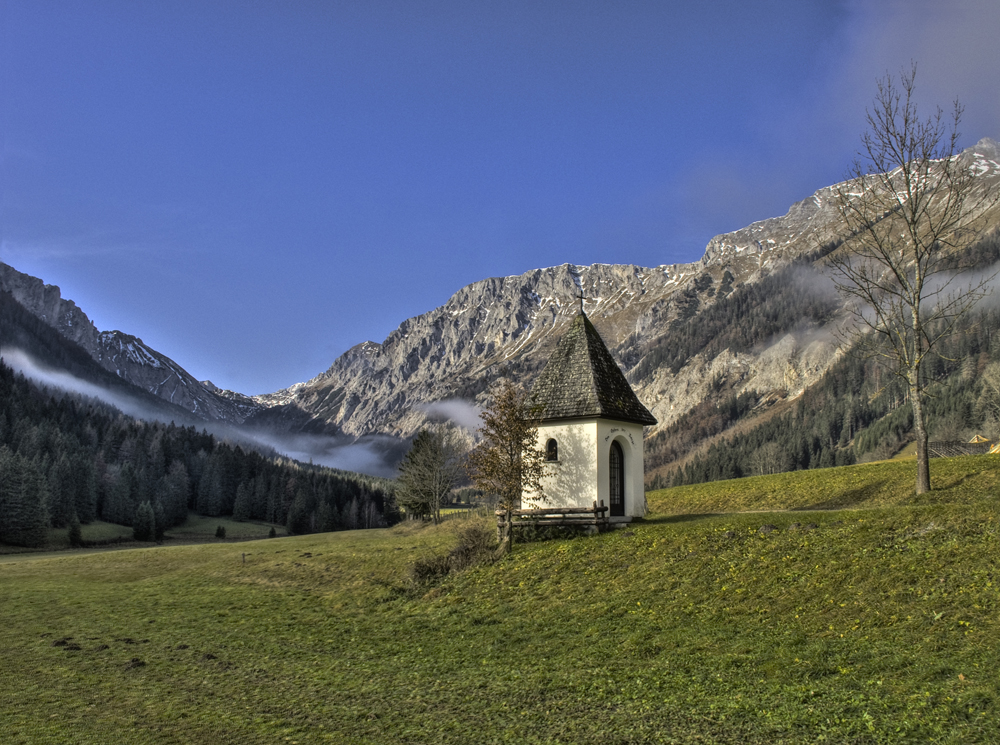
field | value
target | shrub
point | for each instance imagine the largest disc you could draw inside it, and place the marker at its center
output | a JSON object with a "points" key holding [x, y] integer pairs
{"points": [[476, 544], [430, 569], [220, 532], [272, 533]]}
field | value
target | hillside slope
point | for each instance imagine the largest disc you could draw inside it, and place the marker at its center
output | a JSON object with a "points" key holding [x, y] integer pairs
{"points": [[876, 624]]}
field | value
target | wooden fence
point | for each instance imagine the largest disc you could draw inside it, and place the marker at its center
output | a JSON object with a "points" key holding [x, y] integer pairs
{"points": [[596, 516], [954, 449]]}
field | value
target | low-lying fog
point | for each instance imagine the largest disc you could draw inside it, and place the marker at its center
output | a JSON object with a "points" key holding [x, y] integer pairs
{"points": [[375, 455]]}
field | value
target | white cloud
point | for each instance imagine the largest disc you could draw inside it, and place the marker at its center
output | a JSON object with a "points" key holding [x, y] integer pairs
{"points": [[455, 410]]}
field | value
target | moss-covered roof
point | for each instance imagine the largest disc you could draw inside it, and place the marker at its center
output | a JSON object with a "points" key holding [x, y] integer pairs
{"points": [[582, 379]]}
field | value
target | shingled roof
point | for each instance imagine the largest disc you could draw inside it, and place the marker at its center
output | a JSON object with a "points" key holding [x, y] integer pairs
{"points": [[582, 380]]}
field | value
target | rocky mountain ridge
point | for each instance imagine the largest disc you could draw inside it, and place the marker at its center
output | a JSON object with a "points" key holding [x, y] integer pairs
{"points": [[509, 325], [123, 354]]}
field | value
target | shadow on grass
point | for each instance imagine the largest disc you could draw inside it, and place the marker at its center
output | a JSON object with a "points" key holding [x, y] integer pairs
{"points": [[667, 519], [850, 498], [940, 483]]}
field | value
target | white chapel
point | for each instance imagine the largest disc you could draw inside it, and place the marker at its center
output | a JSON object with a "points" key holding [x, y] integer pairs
{"points": [[590, 426]]}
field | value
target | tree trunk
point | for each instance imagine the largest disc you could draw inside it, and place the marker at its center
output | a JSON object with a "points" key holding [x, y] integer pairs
{"points": [[920, 433]]}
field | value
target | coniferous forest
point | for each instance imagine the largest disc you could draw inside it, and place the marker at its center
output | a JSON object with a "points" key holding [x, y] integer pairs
{"points": [[66, 460], [857, 412]]}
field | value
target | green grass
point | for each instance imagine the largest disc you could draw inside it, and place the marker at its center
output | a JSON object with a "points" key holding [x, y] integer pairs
{"points": [[879, 625], [199, 527], [882, 484], [59, 537]]}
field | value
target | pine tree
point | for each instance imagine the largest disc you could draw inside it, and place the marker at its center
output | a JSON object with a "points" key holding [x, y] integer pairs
{"points": [[117, 506], [144, 525], [23, 498], [325, 521], [75, 532], [160, 517], [351, 515], [298, 516], [241, 507], [62, 492], [85, 503], [176, 495]]}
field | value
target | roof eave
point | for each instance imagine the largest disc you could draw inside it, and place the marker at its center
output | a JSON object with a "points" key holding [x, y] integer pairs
{"points": [[651, 421]]}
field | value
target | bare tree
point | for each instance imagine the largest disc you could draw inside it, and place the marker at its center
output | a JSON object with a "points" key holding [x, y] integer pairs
{"points": [[508, 461], [768, 458], [911, 202], [430, 470]]}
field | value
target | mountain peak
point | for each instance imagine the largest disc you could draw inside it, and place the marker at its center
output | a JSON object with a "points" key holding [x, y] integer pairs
{"points": [[987, 147]]}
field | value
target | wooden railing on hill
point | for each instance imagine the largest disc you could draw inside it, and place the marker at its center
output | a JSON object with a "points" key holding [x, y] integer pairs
{"points": [[954, 449]]}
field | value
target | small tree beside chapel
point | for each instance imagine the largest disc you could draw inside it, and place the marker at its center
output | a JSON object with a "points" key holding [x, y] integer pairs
{"points": [[507, 461]]}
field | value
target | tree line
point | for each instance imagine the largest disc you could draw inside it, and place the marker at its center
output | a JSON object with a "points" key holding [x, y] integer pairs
{"points": [[66, 460], [741, 318]]}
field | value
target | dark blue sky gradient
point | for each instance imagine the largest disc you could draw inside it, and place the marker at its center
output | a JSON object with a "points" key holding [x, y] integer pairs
{"points": [[252, 188]]}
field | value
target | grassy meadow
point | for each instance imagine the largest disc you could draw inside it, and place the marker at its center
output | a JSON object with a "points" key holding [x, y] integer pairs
{"points": [[859, 615]]}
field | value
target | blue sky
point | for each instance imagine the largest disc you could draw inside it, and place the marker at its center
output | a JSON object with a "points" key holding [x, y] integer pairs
{"points": [[254, 187]]}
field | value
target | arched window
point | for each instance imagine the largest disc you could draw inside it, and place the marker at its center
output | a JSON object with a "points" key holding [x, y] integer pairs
{"points": [[551, 450]]}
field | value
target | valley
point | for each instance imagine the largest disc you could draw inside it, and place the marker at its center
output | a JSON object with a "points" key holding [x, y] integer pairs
{"points": [[756, 317], [871, 619]]}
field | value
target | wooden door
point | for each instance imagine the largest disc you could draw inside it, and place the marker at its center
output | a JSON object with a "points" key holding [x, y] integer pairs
{"points": [[616, 468]]}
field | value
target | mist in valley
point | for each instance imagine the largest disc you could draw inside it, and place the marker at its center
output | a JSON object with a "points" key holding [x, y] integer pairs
{"points": [[373, 455]]}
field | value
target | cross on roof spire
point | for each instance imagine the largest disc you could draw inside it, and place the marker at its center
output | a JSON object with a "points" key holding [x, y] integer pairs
{"points": [[580, 298]]}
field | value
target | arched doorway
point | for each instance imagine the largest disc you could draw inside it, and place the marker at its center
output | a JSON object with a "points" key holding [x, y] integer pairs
{"points": [[616, 469]]}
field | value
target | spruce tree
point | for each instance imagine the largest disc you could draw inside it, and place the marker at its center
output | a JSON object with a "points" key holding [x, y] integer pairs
{"points": [[62, 492], [75, 532], [160, 516], [241, 507], [324, 517], [144, 525], [24, 501], [176, 493], [85, 503]]}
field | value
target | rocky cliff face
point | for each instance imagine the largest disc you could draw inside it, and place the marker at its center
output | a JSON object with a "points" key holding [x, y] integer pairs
{"points": [[511, 324], [455, 351], [125, 355]]}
